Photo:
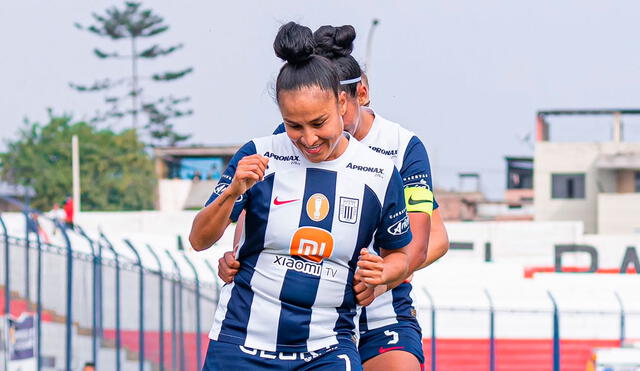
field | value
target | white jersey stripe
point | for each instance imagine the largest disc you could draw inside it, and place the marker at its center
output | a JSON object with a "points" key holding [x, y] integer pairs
{"points": [[221, 311], [265, 287]]}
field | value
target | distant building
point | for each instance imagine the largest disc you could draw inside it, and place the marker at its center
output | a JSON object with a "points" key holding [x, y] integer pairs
{"points": [[469, 203], [12, 195], [595, 182], [187, 175]]}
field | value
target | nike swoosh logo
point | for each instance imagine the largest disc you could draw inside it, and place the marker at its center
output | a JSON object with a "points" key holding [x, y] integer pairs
{"points": [[416, 202], [384, 350], [278, 202]]}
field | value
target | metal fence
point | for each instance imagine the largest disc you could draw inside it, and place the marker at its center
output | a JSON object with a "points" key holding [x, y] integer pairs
{"points": [[551, 325], [95, 302], [126, 305]]}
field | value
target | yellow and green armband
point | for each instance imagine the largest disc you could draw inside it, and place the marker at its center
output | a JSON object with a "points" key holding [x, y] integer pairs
{"points": [[419, 199]]}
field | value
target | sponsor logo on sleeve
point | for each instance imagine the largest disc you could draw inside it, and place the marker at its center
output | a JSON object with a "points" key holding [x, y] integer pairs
{"points": [[419, 180], [221, 187], [400, 227]]}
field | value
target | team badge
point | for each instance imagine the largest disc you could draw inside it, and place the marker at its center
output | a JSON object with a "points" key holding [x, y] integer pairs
{"points": [[348, 210], [317, 207]]}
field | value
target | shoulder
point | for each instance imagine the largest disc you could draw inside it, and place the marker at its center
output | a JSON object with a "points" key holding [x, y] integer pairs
{"points": [[270, 143], [393, 138], [402, 134], [280, 129], [374, 168]]}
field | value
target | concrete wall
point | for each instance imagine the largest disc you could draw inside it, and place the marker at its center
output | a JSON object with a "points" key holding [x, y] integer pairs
{"points": [[553, 158], [619, 213], [172, 193], [180, 194]]}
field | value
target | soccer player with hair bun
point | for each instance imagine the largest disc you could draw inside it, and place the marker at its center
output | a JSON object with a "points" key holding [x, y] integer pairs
{"points": [[391, 338], [316, 202]]}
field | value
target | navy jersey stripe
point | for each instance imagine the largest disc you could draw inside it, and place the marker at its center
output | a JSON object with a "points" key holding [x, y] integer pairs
{"points": [[239, 307], [415, 164], [363, 320], [371, 210], [257, 216], [280, 129], [299, 289], [246, 150], [402, 302]]}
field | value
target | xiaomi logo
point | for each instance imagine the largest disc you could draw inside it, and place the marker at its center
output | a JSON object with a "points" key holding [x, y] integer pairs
{"points": [[312, 244]]}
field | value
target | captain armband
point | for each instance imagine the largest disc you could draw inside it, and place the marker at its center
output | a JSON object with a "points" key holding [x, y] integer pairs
{"points": [[419, 199]]}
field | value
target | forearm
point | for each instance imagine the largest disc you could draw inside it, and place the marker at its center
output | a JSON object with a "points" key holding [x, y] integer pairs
{"points": [[438, 250], [396, 265], [438, 241], [418, 249], [211, 222]]}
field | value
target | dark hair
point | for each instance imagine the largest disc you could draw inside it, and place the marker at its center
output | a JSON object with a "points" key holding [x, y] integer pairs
{"points": [[294, 44], [336, 44]]}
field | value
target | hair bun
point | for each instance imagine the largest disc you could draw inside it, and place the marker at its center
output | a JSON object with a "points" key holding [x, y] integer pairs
{"points": [[334, 42], [294, 43]]}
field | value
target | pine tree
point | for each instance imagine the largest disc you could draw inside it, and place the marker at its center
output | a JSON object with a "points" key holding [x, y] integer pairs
{"points": [[135, 24]]}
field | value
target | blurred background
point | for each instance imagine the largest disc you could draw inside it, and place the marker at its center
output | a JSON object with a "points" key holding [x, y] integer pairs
{"points": [[118, 119]]}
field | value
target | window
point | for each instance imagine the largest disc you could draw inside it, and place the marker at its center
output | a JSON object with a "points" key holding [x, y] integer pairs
{"points": [[519, 173], [567, 186], [637, 181]]}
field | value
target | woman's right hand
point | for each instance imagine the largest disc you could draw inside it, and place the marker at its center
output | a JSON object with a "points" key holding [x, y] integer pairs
{"points": [[249, 171]]}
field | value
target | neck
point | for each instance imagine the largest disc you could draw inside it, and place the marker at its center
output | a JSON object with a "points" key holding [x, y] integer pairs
{"points": [[366, 121], [340, 148]]}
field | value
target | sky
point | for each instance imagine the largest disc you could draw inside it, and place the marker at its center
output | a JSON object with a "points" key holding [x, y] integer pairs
{"points": [[466, 76]]}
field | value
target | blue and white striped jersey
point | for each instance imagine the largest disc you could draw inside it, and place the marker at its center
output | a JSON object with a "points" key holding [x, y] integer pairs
{"points": [[409, 156], [305, 225]]}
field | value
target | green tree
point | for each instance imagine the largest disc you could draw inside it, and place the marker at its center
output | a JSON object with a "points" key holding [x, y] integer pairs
{"points": [[115, 171], [134, 24]]}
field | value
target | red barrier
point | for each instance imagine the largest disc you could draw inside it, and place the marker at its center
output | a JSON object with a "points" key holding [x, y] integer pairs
{"points": [[511, 354]]}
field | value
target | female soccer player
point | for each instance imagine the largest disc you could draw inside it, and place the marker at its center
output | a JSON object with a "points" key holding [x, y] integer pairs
{"points": [[315, 200], [391, 337]]}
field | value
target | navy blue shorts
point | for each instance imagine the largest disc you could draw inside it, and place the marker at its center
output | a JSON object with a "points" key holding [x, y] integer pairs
{"points": [[404, 336], [225, 356]]}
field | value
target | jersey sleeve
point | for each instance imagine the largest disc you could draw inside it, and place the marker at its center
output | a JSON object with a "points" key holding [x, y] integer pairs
{"points": [[417, 179], [280, 129], [393, 231], [246, 150]]}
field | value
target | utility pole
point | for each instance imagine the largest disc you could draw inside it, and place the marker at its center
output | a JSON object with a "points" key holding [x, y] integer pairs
{"points": [[75, 164]]}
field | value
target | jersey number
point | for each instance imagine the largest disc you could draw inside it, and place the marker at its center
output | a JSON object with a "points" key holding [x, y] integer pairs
{"points": [[347, 362], [394, 337]]}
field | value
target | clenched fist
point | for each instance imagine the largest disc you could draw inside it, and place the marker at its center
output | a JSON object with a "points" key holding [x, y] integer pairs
{"points": [[249, 171]]}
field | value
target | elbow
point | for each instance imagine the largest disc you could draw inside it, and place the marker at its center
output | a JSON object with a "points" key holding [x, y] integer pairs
{"points": [[196, 243], [442, 248], [199, 241], [422, 253]]}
